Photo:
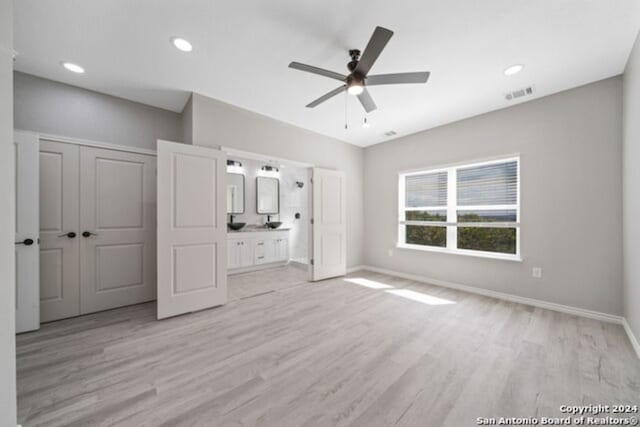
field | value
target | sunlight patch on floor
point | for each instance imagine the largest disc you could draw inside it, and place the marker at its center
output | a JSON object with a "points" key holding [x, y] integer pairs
{"points": [[372, 284], [404, 293], [420, 297]]}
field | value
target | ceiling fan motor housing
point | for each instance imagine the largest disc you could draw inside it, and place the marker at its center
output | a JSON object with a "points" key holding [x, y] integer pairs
{"points": [[355, 57], [355, 79]]}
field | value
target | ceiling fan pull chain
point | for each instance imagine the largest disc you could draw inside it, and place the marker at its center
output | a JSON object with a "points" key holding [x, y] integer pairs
{"points": [[346, 99]]}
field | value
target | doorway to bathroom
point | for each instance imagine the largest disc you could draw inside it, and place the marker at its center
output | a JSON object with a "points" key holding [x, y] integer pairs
{"points": [[269, 208]]}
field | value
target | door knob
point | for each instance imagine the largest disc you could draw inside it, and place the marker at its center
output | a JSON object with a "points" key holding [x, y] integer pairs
{"points": [[88, 234], [26, 242], [70, 235]]}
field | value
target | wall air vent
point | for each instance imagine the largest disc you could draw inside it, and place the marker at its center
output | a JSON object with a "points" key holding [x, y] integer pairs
{"points": [[390, 133], [519, 93]]}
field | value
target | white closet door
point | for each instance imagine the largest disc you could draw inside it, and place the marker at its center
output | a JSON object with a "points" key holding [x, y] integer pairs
{"points": [[59, 248], [117, 229], [27, 229], [192, 228], [329, 224]]}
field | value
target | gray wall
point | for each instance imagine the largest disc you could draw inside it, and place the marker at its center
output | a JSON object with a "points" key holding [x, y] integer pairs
{"points": [[631, 185], [570, 146], [7, 228], [187, 122], [218, 124], [56, 108]]}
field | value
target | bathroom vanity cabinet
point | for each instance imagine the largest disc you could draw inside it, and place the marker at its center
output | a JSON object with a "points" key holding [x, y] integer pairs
{"points": [[251, 250]]}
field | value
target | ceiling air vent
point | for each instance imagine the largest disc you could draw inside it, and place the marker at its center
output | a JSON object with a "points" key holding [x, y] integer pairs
{"points": [[519, 93], [390, 133]]}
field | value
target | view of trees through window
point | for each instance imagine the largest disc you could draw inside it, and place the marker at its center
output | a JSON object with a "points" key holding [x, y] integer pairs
{"points": [[502, 240], [482, 217]]}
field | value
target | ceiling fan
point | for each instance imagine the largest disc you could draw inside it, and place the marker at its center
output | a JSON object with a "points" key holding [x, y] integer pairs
{"points": [[357, 80]]}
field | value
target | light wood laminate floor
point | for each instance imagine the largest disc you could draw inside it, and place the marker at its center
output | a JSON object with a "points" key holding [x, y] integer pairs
{"points": [[373, 351], [249, 285]]}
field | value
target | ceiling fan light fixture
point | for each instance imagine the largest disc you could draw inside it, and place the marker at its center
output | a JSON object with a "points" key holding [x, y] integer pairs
{"points": [[355, 88]]}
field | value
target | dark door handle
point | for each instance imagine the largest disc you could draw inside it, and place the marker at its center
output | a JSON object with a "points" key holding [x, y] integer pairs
{"points": [[26, 242], [70, 235], [88, 234]]}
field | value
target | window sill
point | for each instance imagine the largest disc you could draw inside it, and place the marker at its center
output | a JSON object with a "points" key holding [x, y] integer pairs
{"points": [[478, 254]]}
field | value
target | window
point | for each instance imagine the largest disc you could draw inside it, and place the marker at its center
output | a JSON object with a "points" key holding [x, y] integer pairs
{"points": [[470, 209]]}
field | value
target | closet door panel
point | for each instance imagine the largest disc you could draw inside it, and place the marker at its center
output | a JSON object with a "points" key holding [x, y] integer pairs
{"points": [[59, 237], [118, 229]]}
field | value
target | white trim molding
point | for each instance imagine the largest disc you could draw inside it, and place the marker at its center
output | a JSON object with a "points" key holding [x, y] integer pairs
{"points": [[478, 254], [356, 268], [232, 152], [89, 143], [634, 341], [590, 314]]}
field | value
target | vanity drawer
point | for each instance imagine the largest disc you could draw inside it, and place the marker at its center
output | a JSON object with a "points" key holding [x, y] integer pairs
{"points": [[260, 252]]}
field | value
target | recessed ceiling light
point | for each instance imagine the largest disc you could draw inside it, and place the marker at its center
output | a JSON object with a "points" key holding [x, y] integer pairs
{"points": [[182, 44], [73, 67], [514, 69]]}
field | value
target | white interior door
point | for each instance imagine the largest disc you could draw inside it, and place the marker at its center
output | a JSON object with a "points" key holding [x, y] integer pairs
{"points": [[117, 229], [192, 229], [59, 249], [27, 229], [329, 224]]}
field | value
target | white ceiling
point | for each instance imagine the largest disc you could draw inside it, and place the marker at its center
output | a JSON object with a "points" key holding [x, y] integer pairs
{"points": [[242, 49]]}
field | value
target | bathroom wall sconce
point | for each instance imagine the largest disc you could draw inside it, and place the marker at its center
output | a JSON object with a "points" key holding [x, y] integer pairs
{"points": [[234, 166], [268, 168]]}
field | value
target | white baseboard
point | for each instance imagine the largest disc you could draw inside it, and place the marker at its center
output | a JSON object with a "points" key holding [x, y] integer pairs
{"points": [[356, 268], [605, 317], [634, 341]]}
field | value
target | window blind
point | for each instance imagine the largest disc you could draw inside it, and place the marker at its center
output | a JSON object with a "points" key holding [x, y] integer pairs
{"points": [[426, 190], [489, 184]]}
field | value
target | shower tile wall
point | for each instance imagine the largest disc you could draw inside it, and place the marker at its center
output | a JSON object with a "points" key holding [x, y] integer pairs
{"points": [[294, 199]]}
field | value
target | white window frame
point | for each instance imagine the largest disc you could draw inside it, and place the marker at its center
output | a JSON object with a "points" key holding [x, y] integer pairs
{"points": [[452, 208]]}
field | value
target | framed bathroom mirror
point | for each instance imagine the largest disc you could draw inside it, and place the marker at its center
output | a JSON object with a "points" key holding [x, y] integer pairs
{"points": [[267, 195], [235, 193]]}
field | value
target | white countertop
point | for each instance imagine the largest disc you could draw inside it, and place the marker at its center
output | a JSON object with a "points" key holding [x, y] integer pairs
{"points": [[258, 229]]}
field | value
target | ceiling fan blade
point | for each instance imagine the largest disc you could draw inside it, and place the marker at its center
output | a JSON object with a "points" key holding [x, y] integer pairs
{"points": [[367, 101], [378, 41], [327, 96], [397, 78], [316, 70]]}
